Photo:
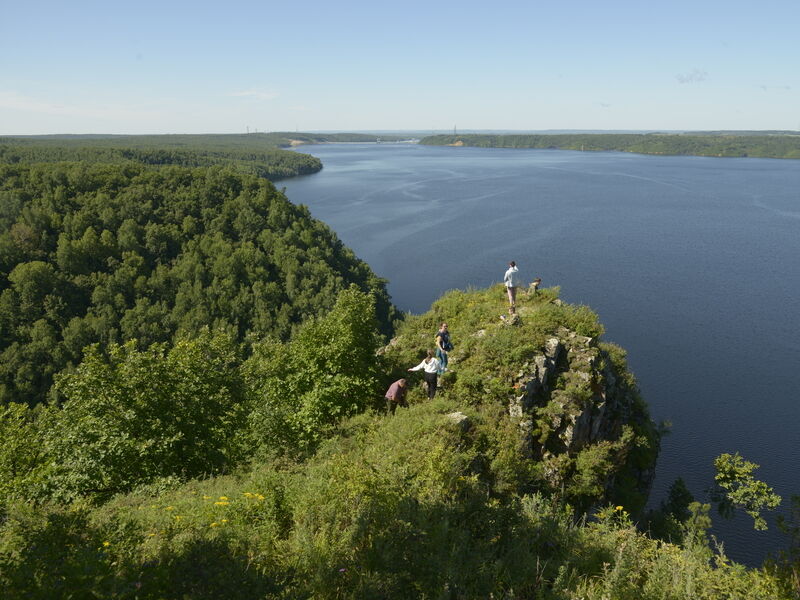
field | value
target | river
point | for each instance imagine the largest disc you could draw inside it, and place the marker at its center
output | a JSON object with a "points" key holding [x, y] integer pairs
{"points": [[691, 263]]}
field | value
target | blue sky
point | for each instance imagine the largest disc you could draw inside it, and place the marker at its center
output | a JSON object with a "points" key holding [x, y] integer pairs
{"points": [[196, 67]]}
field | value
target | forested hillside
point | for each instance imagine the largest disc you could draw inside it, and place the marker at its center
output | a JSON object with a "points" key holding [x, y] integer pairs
{"points": [[104, 253], [761, 146], [191, 378], [315, 494], [259, 153], [272, 164]]}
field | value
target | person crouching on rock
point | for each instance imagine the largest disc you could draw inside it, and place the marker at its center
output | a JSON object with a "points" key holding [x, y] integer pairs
{"points": [[534, 287], [430, 366], [396, 394]]}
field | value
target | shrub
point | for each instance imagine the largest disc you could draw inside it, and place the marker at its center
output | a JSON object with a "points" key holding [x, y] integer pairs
{"points": [[328, 371], [141, 415]]}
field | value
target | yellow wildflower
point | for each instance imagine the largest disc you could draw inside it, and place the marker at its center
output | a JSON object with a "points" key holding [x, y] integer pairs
{"points": [[248, 495], [260, 497], [223, 497], [222, 503], [224, 520], [170, 508], [106, 544], [214, 525], [619, 508], [206, 497]]}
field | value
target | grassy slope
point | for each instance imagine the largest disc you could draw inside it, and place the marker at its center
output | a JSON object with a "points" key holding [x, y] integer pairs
{"points": [[390, 507]]}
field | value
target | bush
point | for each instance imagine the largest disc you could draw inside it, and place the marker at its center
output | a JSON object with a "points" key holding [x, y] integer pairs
{"points": [[141, 415], [328, 371]]}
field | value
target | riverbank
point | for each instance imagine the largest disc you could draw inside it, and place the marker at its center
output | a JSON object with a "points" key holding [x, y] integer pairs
{"points": [[732, 146]]}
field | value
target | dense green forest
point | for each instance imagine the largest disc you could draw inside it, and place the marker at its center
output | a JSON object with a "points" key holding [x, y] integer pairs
{"points": [[761, 146], [105, 253], [272, 164], [191, 378], [192, 471], [261, 154]]}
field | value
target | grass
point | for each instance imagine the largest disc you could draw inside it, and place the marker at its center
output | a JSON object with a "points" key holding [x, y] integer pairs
{"points": [[404, 506]]}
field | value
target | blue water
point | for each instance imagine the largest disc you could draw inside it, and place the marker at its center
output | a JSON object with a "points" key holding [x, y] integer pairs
{"points": [[691, 263]]}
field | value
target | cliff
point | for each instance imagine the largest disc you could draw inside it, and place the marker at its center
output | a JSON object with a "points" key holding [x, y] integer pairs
{"points": [[580, 419]]}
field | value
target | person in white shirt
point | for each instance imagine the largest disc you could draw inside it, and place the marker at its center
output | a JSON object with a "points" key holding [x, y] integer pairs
{"points": [[430, 366], [512, 281]]}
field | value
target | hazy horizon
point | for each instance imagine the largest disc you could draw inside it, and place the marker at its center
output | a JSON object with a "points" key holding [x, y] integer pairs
{"points": [[417, 132], [155, 68]]}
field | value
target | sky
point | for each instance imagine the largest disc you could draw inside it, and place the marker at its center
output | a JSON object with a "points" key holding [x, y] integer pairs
{"points": [[226, 67]]}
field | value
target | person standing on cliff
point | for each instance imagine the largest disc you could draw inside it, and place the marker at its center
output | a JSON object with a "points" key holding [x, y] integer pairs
{"points": [[396, 394], [512, 281], [443, 346], [430, 369]]}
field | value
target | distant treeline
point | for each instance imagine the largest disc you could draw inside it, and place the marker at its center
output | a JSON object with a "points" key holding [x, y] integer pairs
{"points": [[760, 146], [261, 154], [285, 138], [272, 164], [216, 142]]}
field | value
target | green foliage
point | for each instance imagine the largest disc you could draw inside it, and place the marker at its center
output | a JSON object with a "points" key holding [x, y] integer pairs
{"points": [[416, 505], [711, 144], [738, 488], [667, 522], [21, 453], [486, 369], [592, 466], [105, 253], [329, 370], [696, 525], [400, 507], [272, 164], [258, 153], [787, 562], [141, 415]]}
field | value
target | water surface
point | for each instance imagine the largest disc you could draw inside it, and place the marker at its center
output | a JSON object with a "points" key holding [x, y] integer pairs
{"points": [[691, 263]]}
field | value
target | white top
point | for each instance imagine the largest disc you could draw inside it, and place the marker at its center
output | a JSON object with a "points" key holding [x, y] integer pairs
{"points": [[430, 367], [511, 278]]}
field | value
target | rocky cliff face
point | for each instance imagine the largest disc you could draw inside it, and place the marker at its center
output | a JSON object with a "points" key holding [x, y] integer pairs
{"points": [[581, 421], [571, 397]]}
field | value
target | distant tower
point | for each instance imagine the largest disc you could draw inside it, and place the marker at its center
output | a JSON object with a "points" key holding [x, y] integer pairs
{"points": [[248, 129], [454, 130]]}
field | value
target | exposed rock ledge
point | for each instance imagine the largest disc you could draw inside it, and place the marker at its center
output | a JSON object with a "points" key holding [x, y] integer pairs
{"points": [[591, 404]]}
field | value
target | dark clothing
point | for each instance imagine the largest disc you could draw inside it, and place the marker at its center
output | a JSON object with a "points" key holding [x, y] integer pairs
{"points": [[396, 394], [445, 341], [431, 380], [391, 405]]}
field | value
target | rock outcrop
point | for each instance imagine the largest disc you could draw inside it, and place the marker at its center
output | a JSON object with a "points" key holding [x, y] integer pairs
{"points": [[569, 398], [574, 413]]}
